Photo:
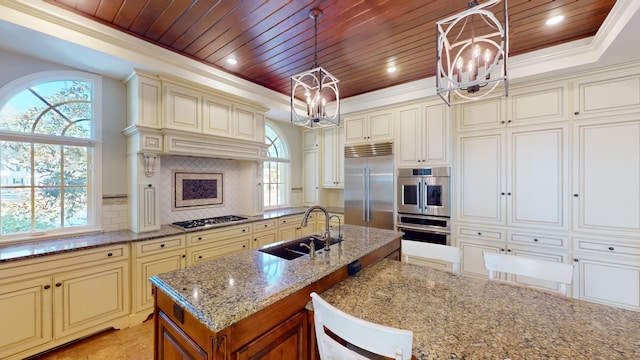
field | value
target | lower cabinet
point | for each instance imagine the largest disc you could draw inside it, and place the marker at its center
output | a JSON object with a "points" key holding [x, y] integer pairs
{"points": [[206, 245], [56, 299], [174, 344], [286, 341], [475, 240], [264, 233], [608, 271], [290, 227]]}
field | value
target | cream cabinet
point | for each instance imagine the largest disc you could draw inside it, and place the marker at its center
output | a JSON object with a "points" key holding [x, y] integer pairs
{"points": [[210, 244], [333, 158], [264, 233], [59, 298], [333, 222], [149, 258], [182, 108], [607, 94], [311, 177], [217, 116], [608, 270], [545, 103], [144, 94], [290, 227], [369, 127], [515, 177], [606, 176], [423, 136], [474, 240]]}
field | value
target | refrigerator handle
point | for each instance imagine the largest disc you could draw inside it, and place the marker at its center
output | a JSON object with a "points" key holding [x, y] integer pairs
{"points": [[365, 193], [368, 219]]}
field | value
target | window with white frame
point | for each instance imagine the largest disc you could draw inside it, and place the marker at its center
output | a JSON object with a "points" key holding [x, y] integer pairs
{"points": [[276, 169], [50, 155]]}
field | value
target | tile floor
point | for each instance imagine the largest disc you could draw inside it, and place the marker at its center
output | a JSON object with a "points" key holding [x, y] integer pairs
{"points": [[135, 343]]}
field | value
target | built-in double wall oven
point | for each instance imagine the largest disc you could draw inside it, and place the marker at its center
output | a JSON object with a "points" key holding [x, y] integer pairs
{"points": [[423, 204]]}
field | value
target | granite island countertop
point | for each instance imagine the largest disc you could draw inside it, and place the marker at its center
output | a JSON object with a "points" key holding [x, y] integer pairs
{"points": [[223, 291], [454, 316]]}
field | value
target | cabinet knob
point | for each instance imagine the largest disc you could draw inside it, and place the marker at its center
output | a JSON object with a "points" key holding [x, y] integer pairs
{"points": [[509, 194], [576, 113], [502, 193], [161, 245], [575, 195], [611, 248], [502, 122], [244, 246], [265, 225], [200, 257], [536, 240], [110, 254], [184, 256], [479, 233], [150, 185], [508, 250], [199, 237], [256, 239], [58, 284], [576, 260], [501, 250], [47, 287], [243, 230], [509, 121]]}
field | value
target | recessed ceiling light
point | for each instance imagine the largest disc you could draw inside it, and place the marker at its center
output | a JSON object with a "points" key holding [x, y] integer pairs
{"points": [[391, 69], [554, 20], [232, 61]]}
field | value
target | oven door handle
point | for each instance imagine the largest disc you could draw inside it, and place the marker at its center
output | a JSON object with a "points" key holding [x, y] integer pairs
{"points": [[417, 228]]}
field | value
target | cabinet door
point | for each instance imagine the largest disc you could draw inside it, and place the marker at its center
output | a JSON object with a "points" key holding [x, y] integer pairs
{"points": [[182, 108], [539, 104], [173, 343], [311, 175], [483, 114], [607, 177], [481, 188], [288, 232], [333, 157], [149, 266], [437, 135], [288, 340], [144, 101], [380, 126], [409, 137], [607, 94], [310, 139], [246, 124], [216, 116], [25, 315], [539, 254], [537, 180], [89, 297], [264, 238], [608, 281], [354, 129], [472, 262]]}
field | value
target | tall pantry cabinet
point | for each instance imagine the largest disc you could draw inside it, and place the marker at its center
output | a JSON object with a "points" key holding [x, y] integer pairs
{"points": [[553, 172]]}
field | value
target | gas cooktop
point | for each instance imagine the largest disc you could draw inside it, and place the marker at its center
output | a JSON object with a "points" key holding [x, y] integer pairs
{"points": [[208, 222]]}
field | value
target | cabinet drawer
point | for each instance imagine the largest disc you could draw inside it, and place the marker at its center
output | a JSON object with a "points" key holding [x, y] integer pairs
{"points": [[608, 247], [481, 233], [202, 237], [528, 239], [293, 220], [224, 247], [155, 246], [264, 225]]}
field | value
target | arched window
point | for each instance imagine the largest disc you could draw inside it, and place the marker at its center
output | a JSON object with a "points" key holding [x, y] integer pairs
{"points": [[276, 169], [49, 155]]}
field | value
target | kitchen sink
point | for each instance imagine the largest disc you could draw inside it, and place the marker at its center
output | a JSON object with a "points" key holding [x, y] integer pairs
{"points": [[293, 250]]}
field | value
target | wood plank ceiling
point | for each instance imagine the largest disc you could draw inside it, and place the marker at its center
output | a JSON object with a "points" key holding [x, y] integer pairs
{"points": [[357, 39]]}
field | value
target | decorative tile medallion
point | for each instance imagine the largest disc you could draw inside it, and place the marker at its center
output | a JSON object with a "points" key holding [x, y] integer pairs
{"points": [[196, 189]]}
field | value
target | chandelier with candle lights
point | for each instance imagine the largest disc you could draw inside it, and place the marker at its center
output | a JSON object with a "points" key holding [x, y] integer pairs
{"points": [[472, 53], [318, 88]]}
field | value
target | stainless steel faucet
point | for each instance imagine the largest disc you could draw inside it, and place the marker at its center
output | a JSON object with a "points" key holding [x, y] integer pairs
{"points": [[326, 236]]}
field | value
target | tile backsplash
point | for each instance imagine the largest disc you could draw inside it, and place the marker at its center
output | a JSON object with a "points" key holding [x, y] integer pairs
{"points": [[231, 188], [115, 212]]}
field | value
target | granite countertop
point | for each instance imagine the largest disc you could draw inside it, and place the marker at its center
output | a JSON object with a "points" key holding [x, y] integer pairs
{"points": [[30, 249], [225, 290], [459, 317]]}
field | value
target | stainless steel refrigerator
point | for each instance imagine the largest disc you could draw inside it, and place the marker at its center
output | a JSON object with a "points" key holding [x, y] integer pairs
{"points": [[368, 185]]}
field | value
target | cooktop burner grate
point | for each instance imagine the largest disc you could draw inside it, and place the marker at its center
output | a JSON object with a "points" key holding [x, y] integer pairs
{"points": [[190, 224]]}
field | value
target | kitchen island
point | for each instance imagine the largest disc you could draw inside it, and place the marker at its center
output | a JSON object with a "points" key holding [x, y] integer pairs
{"points": [[252, 303], [458, 317]]}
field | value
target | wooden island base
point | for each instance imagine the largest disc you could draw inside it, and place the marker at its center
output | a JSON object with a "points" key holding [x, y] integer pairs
{"points": [[280, 331]]}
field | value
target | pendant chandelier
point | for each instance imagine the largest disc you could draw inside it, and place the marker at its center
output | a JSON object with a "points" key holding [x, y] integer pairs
{"points": [[318, 88], [472, 52]]}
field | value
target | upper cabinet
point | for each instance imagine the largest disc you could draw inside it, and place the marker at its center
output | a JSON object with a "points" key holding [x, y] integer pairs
{"points": [[369, 127], [522, 107], [423, 136], [607, 94], [333, 157], [168, 115]]}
